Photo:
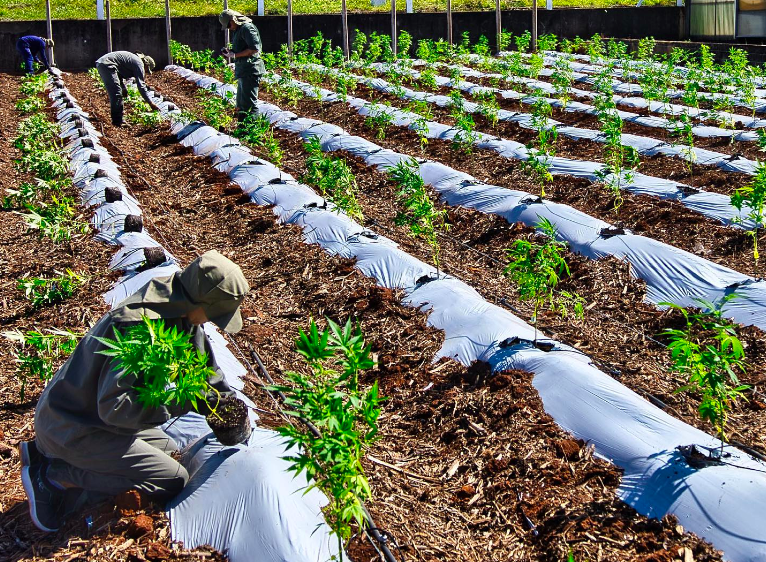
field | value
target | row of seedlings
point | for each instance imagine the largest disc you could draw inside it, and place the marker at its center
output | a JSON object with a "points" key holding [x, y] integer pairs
{"points": [[638, 437]]}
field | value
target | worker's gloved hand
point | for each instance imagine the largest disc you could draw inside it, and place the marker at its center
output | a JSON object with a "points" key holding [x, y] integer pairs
{"points": [[225, 52]]}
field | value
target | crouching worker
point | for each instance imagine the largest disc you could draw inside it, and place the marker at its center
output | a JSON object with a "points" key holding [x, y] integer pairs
{"points": [[32, 48], [248, 65], [94, 438], [117, 66]]}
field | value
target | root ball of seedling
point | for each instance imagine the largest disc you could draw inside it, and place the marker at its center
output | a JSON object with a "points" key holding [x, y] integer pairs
{"points": [[87, 142], [100, 173], [112, 194], [230, 422], [134, 223], [95, 158], [153, 257]]}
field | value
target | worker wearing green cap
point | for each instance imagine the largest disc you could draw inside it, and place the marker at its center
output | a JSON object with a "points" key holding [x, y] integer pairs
{"points": [[93, 437], [248, 65]]}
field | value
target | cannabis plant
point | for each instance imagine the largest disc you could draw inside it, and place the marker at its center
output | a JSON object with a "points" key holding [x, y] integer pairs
{"points": [[683, 129], [168, 369], [536, 268], [489, 108], [379, 120], [328, 395], [333, 178], [43, 291], [537, 164], [465, 137], [216, 110], [753, 195], [256, 130], [418, 212], [709, 353], [56, 220]]}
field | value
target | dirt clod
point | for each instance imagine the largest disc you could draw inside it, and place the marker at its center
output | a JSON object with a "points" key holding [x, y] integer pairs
{"points": [[140, 526]]}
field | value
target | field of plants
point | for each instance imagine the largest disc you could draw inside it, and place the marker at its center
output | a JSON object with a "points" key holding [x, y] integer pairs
{"points": [[517, 298]]}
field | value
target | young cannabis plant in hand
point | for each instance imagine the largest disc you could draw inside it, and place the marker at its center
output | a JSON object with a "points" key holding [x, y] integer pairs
{"points": [[708, 351], [536, 268], [329, 396], [753, 195], [168, 369]]}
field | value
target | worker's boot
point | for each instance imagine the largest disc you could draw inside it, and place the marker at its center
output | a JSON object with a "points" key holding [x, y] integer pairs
{"points": [[46, 501]]}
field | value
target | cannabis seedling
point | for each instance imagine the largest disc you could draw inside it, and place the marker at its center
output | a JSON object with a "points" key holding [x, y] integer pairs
{"points": [[333, 178], [537, 268], [418, 212], [753, 195], [329, 397], [38, 351], [708, 351], [379, 120], [43, 291]]}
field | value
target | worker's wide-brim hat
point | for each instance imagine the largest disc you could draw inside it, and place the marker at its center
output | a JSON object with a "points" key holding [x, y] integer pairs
{"points": [[228, 16], [148, 61]]}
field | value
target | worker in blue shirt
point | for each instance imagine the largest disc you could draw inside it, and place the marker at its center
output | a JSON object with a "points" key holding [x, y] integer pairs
{"points": [[32, 48]]}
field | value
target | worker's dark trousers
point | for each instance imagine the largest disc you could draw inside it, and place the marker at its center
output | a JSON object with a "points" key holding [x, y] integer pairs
{"points": [[247, 94], [111, 81], [117, 463]]}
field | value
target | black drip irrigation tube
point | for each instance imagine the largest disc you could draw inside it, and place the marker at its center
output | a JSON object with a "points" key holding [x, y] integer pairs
{"points": [[382, 537]]}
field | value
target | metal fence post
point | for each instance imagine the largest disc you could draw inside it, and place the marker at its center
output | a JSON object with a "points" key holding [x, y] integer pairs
{"points": [[498, 25], [261, 8], [49, 30], [449, 21], [393, 27], [108, 27], [290, 26], [344, 23], [167, 30], [534, 26], [409, 6], [226, 36]]}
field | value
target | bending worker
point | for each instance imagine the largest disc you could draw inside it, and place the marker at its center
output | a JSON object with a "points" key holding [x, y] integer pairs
{"points": [[93, 439], [117, 66], [32, 48], [248, 65]]}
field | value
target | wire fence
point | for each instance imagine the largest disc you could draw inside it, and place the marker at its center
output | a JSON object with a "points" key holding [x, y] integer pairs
{"points": [[88, 9]]}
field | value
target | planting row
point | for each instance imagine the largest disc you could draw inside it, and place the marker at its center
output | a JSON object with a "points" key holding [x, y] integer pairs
{"points": [[473, 328]]}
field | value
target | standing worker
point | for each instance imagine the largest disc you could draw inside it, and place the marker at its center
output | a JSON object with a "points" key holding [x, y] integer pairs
{"points": [[32, 48], [117, 66], [248, 65]]}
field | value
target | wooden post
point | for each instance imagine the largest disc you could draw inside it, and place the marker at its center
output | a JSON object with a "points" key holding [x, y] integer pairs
{"points": [[449, 21], [108, 27], [534, 26], [498, 24], [394, 39], [49, 30], [290, 26], [167, 29], [344, 24]]}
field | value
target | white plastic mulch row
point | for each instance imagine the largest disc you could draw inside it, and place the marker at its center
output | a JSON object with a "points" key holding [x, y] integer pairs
{"points": [[635, 102], [703, 131], [719, 503], [239, 499], [646, 146], [671, 274], [713, 205], [627, 88]]}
